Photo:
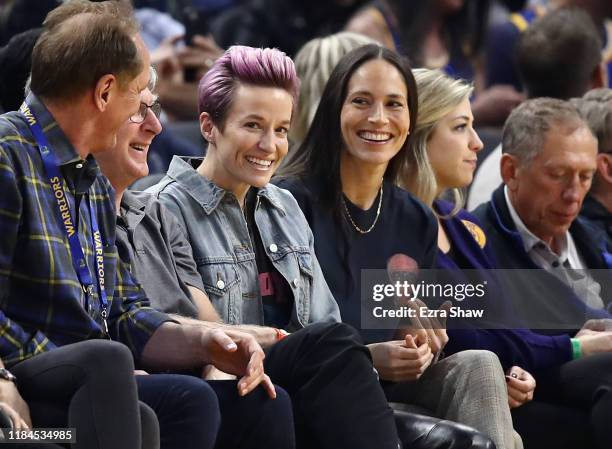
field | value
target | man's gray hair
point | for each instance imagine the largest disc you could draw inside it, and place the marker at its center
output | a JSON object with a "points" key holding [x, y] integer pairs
{"points": [[526, 128], [152, 79], [596, 108]]}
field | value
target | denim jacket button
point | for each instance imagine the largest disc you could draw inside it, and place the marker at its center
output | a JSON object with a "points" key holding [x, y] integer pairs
{"points": [[273, 248], [220, 284], [295, 283]]}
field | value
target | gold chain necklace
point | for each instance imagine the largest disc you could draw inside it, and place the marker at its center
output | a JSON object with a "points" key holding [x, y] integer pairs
{"points": [[357, 228]]}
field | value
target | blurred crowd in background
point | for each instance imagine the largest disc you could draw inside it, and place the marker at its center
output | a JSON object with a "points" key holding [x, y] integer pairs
{"points": [[469, 39]]}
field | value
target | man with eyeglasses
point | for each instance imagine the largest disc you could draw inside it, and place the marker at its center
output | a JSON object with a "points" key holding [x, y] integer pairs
{"points": [[146, 234], [596, 107], [146, 231]]}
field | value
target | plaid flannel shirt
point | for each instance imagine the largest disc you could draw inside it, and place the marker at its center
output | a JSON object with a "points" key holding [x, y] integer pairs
{"points": [[42, 304]]}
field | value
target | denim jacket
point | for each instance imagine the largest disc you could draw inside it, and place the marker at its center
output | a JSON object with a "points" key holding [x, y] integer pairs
{"points": [[224, 254]]}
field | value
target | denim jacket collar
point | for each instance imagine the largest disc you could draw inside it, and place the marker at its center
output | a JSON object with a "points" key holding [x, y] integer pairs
{"points": [[204, 191]]}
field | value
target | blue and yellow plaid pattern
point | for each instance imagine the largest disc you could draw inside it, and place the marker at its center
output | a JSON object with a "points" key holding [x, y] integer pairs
{"points": [[42, 304]]}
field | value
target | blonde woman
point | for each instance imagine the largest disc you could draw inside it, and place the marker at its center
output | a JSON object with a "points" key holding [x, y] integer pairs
{"points": [[441, 162]]}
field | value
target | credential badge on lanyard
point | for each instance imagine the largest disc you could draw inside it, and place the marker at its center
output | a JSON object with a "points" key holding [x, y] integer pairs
{"points": [[67, 218]]}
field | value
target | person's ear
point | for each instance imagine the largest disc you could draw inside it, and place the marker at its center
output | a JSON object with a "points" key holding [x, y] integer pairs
{"points": [[604, 167], [509, 167], [599, 78], [207, 128], [104, 91]]}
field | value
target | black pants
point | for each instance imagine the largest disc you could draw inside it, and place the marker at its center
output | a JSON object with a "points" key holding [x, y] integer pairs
{"points": [[572, 406], [337, 399], [195, 414], [544, 425], [91, 385]]}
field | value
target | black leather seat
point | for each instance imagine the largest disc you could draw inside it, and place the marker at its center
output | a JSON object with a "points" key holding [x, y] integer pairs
{"points": [[425, 432]]}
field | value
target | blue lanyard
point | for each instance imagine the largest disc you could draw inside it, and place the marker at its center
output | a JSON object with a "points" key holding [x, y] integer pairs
{"points": [[67, 218]]}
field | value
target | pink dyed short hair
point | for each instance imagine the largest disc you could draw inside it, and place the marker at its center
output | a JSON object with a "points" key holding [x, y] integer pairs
{"points": [[264, 67]]}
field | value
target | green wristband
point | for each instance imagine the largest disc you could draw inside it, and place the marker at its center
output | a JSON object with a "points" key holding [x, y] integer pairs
{"points": [[576, 348]]}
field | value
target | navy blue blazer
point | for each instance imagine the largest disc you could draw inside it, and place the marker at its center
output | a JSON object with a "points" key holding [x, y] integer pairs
{"points": [[514, 346], [554, 298], [596, 214]]}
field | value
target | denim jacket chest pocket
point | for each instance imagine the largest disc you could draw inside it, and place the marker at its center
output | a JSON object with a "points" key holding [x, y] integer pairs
{"points": [[295, 264], [222, 284], [290, 246]]}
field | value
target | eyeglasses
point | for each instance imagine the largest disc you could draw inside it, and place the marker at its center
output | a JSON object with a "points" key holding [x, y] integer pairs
{"points": [[141, 115]]}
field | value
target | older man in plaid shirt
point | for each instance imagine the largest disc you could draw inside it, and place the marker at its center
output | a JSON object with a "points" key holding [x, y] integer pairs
{"points": [[61, 281]]}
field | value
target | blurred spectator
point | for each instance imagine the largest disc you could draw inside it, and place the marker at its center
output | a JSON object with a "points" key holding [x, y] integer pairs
{"points": [[558, 56], [175, 7], [596, 107], [284, 24], [181, 58], [157, 27], [436, 34], [314, 63], [163, 20], [503, 37], [17, 16], [177, 92], [16, 61]]}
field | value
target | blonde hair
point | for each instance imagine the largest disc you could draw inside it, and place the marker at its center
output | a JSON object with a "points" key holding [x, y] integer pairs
{"points": [[439, 94], [314, 63]]}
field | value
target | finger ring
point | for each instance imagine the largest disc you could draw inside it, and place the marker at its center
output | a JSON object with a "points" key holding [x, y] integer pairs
{"points": [[208, 62], [514, 375]]}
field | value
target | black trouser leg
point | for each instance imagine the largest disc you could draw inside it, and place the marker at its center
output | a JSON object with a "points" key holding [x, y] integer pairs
{"points": [[149, 427], [584, 384], [253, 421], [337, 399], [186, 407], [56, 416], [543, 425], [94, 380]]}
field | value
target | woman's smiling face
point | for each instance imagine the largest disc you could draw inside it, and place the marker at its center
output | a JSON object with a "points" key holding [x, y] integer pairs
{"points": [[253, 141], [374, 119]]}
